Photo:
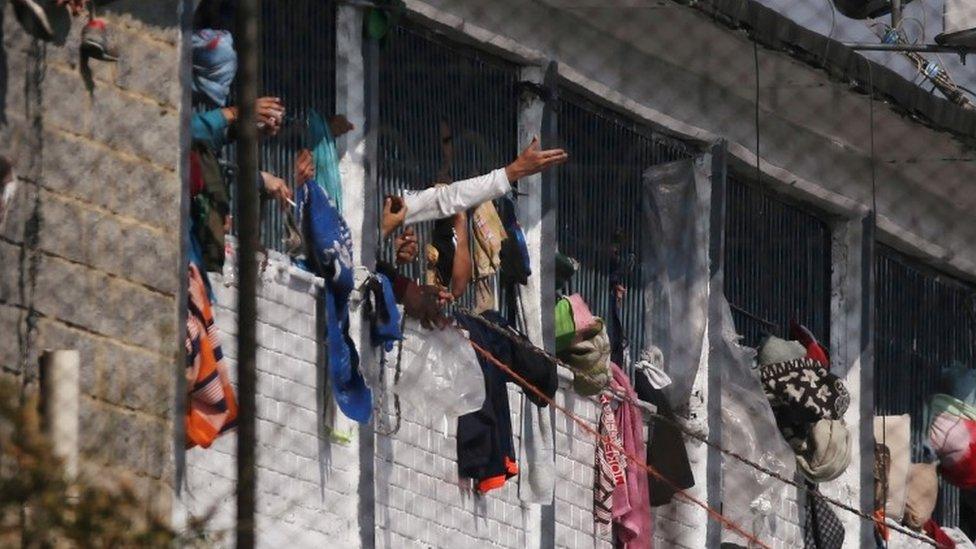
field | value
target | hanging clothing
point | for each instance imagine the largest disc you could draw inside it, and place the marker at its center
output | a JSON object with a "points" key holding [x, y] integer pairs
{"points": [[330, 257], [588, 351], [805, 337], [934, 531], [651, 364], [484, 438], [921, 494], [631, 506], [211, 405], [517, 352], [611, 469], [952, 436], [444, 201], [821, 527], [326, 158], [515, 265], [804, 391], [666, 452], [385, 320], [488, 235], [209, 206], [825, 452]]}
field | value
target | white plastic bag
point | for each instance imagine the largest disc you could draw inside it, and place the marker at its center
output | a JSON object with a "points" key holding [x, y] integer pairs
{"points": [[440, 376]]}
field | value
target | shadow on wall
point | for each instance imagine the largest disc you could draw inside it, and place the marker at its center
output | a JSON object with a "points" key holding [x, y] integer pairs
{"points": [[4, 82], [159, 13]]}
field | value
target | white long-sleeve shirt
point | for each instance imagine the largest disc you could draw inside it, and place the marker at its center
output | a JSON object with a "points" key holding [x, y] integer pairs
{"points": [[447, 200]]}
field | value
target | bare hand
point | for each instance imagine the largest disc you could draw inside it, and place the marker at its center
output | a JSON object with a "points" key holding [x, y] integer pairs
{"points": [[340, 125], [425, 304], [394, 212], [74, 6], [533, 160], [304, 167], [270, 113], [406, 246], [276, 188]]}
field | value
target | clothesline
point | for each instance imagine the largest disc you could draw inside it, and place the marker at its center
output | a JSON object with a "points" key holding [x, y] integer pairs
{"points": [[653, 413], [583, 424], [644, 406]]}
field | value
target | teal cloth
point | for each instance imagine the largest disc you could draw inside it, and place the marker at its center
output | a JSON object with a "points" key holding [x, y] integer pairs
{"points": [[209, 127], [960, 382], [326, 157]]}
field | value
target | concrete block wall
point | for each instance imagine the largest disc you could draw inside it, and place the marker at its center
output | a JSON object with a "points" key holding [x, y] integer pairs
{"points": [[89, 247], [307, 484]]}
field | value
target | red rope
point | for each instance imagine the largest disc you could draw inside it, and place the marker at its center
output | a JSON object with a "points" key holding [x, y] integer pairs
{"points": [[716, 515]]}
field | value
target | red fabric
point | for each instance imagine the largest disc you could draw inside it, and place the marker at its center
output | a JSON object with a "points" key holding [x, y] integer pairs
{"points": [[963, 472], [196, 174], [934, 531], [815, 351]]}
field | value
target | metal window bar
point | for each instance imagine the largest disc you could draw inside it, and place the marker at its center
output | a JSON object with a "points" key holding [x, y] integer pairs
{"points": [[297, 65], [777, 264], [924, 321], [425, 78], [599, 195]]}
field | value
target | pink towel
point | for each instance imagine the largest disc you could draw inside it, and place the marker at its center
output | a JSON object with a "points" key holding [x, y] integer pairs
{"points": [[583, 319], [632, 507], [951, 436]]}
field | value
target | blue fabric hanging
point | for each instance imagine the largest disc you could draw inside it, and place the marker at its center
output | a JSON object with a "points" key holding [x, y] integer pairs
{"points": [[330, 256], [386, 325]]}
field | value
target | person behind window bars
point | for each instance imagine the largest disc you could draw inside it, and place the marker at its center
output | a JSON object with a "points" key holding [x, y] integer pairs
{"points": [[426, 302]]}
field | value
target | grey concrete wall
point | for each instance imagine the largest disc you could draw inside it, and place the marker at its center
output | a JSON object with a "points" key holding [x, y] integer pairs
{"points": [[89, 249]]}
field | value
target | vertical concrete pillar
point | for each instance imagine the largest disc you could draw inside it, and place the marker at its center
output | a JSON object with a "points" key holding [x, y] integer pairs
{"points": [[359, 209], [536, 213], [60, 378]]}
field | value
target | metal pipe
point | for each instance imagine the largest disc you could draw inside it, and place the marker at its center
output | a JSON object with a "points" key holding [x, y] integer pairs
{"points": [[60, 375], [895, 14], [248, 219], [930, 48]]}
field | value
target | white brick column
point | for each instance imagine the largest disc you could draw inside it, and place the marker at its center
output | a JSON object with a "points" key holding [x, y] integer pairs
{"points": [[359, 210], [531, 215]]}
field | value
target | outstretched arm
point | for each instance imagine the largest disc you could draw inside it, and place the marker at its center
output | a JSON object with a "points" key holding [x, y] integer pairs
{"points": [[448, 200]]}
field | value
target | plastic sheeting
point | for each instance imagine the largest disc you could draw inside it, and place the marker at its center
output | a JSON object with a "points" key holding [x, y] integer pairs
{"points": [[676, 267], [749, 497], [440, 375]]}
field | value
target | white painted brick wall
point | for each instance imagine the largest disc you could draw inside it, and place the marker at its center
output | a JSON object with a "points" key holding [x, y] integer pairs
{"points": [[575, 472], [307, 486], [421, 501]]}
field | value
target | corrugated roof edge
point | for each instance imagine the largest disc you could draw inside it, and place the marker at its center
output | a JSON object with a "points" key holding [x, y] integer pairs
{"points": [[775, 31]]}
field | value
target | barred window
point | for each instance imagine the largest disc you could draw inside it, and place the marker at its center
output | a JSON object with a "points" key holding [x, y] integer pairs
{"points": [[475, 95], [924, 322], [777, 263], [599, 202]]}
